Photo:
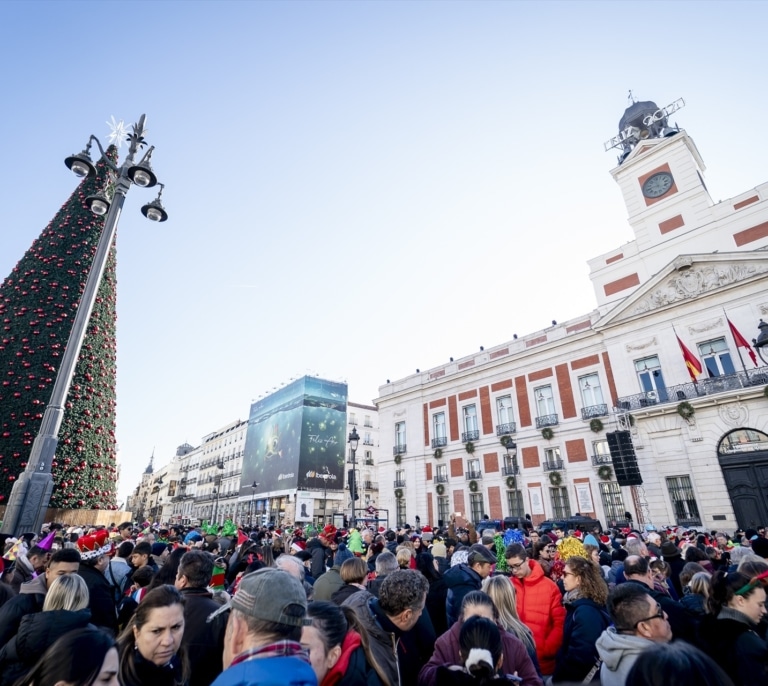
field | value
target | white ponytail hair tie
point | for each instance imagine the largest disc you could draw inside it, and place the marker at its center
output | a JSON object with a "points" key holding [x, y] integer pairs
{"points": [[478, 655]]}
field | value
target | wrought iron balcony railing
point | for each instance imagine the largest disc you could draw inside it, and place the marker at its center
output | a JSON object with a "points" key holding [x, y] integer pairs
{"points": [[510, 470], [552, 465], [470, 436], [440, 442], [473, 475], [599, 460], [399, 483], [441, 479], [690, 391], [399, 449], [594, 411], [370, 486], [504, 429], [546, 420], [367, 441]]}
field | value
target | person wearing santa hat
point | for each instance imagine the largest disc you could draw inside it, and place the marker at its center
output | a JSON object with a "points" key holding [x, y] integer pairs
{"points": [[94, 551]]}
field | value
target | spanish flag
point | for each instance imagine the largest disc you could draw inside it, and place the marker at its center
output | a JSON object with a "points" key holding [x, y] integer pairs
{"points": [[742, 342], [691, 361]]}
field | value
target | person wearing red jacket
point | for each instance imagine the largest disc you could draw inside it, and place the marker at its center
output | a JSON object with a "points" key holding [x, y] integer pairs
{"points": [[539, 604]]}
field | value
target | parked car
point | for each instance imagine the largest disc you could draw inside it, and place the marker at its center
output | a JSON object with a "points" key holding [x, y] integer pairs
{"points": [[506, 523], [585, 524]]}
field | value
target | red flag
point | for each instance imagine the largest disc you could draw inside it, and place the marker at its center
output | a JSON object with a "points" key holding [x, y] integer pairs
{"points": [[241, 537], [741, 342], [691, 361]]}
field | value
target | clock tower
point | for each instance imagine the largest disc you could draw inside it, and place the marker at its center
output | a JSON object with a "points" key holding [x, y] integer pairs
{"points": [[660, 174]]}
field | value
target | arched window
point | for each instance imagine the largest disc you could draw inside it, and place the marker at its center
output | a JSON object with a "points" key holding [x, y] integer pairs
{"points": [[742, 441]]}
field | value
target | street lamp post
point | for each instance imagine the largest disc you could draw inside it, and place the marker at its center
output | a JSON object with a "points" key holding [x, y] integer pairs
{"points": [[254, 486], [32, 491], [353, 439], [762, 340], [325, 493], [512, 454]]}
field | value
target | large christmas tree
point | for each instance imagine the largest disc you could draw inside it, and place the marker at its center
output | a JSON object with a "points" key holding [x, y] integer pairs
{"points": [[37, 307]]}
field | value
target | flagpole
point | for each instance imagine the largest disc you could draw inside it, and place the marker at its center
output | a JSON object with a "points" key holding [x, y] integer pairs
{"points": [[736, 343]]}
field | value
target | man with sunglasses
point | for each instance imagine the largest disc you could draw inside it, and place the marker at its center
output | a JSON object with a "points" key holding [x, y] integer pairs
{"points": [[638, 623], [539, 605], [637, 570]]}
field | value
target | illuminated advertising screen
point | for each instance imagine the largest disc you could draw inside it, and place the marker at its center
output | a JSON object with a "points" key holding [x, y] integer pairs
{"points": [[296, 438]]}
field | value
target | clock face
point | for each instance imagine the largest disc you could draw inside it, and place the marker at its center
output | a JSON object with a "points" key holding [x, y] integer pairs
{"points": [[655, 186]]}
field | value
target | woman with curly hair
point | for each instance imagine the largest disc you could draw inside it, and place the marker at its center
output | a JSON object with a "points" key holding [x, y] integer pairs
{"points": [[585, 596]]}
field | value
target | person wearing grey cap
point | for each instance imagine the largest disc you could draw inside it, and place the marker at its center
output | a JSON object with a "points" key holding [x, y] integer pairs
{"points": [[261, 645], [464, 578]]}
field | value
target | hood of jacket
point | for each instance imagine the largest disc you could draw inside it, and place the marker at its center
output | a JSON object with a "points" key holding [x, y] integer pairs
{"points": [[614, 647], [37, 585], [461, 575]]}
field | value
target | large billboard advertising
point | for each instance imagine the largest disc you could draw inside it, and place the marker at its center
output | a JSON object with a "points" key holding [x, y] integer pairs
{"points": [[296, 438]]}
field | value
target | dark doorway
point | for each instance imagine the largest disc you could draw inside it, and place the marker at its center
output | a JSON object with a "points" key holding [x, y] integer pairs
{"points": [[743, 456]]}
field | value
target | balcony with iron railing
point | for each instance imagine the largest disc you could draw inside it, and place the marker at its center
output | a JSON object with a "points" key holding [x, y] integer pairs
{"points": [[370, 486], [353, 422], [472, 474], [546, 420], [600, 460], [594, 411], [441, 478], [367, 441], [368, 461], [470, 436], [368, 425], [440, 442], [504, 429], [510, 470], [552, 465], [399, 449], [399, 483], [690, 391]]}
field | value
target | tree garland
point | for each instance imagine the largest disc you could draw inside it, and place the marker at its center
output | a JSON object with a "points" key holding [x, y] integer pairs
{"points": [[470, 447], [510, 482], [596, 425], [473, 486], [398, 459], [555, 478], [440, 489], [605, 472], [438, 453], [506, 439], [686, 410], [398, 493], [547, 433]]}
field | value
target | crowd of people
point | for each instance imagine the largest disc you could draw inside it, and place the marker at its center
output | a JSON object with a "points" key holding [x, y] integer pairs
{"points": [[153, 605]]}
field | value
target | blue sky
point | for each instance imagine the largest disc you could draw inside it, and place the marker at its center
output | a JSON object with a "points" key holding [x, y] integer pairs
{"points": [[355, 189]]}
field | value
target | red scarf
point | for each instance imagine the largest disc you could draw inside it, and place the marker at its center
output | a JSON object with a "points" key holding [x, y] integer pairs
{"points": [[336, 673]]}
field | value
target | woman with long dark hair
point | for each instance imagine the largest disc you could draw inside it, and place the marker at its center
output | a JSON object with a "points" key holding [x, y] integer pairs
{"points": [[150, 645], [339, 648], [737, 604], [79, 658]]}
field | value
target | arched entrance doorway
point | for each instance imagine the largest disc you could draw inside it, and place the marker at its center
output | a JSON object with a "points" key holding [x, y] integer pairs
{"points": [[743, 456]]}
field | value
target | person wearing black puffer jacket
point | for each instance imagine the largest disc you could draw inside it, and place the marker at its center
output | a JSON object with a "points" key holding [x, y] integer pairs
{"points": [[462, 579], [203, 640], [65, 609], [93, 565]]}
